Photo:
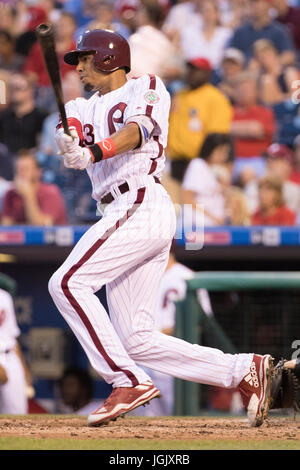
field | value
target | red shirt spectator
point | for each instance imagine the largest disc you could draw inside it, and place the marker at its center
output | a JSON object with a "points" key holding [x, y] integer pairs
{"points": [[282, 216], [49, 200], [249, 147], [253, 125], [30, 201], [272, 210]]}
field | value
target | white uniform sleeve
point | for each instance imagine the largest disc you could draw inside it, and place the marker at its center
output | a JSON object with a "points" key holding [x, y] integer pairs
{"points": [[150, 98]]}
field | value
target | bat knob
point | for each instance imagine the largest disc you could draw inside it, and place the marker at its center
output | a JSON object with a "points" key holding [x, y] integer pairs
{"points": [[44, 29]]}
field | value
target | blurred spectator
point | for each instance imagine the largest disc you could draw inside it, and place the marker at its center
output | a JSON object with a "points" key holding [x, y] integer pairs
{"points": [[295, 174], [272, 210], [232, 65], [52, 8], [21, 122], [9, 59], [76, 392], [83, 10], [290, 17], [151, 50], [279, 160], [182, 14], [29, 200], [201, 186], [252, 127], [35, 65], [208, 41], [261, 26], [104, 18], [236, 208], [234, 12], [275, 80], [126, 12], [10, 19], [193, 115]]}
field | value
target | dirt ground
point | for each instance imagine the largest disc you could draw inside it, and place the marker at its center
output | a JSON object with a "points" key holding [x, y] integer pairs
{"points": [[42, 426]]}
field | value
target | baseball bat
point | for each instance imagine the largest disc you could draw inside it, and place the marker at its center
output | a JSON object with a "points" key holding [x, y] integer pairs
{"points": [[45, 36]]}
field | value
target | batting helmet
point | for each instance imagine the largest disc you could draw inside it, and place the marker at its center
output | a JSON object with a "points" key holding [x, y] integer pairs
{"points": [[111, 50]]}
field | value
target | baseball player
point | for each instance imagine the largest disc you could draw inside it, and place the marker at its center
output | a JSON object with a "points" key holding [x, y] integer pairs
{"points": [[13, 388], [118, 136]]}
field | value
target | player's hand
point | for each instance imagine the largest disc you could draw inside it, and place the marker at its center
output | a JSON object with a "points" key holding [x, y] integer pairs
{"points": [[67, 143], [79, 158]]}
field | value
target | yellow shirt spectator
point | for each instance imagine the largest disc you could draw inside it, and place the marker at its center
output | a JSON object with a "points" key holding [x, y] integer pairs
{"points": [[196, 111], [194, 114]]}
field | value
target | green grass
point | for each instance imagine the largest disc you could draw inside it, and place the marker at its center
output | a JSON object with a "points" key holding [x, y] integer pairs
{"points": [[26, 443]]}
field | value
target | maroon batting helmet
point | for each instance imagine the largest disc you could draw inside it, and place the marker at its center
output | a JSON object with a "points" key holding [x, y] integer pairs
{"points": [[111, 50]]}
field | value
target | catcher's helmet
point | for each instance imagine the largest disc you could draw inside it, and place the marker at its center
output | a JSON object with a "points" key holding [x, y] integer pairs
{"points": [[111, 50]]}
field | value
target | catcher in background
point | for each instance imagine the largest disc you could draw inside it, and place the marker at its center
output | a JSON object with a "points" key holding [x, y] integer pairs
{"points": [[285, 389]]}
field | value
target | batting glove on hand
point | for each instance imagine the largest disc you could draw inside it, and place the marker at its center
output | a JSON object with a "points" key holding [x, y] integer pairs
{"points": [[67, 143], [78, 159]]}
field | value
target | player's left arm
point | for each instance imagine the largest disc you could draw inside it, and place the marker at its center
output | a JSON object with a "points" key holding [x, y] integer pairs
{"points": [[124, 140]]}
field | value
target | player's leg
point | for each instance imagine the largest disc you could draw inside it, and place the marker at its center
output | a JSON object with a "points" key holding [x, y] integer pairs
{"points": [[13, 398], [135, 294]]}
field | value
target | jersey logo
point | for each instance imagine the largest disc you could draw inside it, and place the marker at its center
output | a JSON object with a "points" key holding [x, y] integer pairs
{"points": [[116, 116], [2, 317], [151, 97]]}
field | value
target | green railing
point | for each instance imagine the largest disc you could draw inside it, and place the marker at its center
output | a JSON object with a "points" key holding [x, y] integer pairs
{"points": [[191, 321]]}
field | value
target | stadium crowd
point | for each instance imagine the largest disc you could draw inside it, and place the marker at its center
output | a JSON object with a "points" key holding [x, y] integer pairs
{"points": [[232, 68]]}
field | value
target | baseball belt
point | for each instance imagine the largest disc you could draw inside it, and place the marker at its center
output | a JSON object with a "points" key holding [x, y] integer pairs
{"points": [[123, 188]]}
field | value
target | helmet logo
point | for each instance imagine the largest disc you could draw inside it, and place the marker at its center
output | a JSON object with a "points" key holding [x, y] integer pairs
{"points": [[108, 59]]}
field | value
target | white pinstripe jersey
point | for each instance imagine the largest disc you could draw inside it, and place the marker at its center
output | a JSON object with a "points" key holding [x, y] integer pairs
{"points": [[101, 116], [9, 329]]}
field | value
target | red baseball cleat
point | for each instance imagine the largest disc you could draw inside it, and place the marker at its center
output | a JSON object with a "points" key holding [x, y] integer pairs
{"points": [[121, 401], [255, 389]]}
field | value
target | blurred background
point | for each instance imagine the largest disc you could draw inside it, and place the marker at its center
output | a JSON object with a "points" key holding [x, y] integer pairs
{"points": [[232, 68]]}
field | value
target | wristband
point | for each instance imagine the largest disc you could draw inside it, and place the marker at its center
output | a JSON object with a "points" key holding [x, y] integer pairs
{"points": [[102, 150]]}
